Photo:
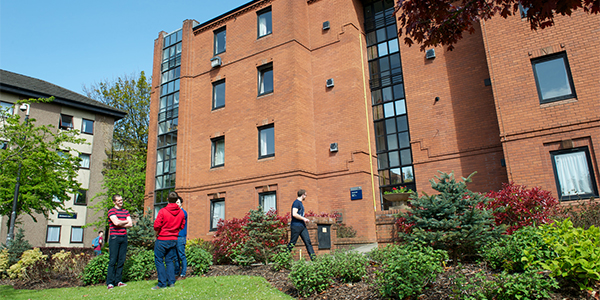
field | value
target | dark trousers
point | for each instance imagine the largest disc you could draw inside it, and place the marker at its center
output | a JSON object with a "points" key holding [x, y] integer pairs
{"points": [[117, 250], [165, 252], [181, 261], [301, 231]]}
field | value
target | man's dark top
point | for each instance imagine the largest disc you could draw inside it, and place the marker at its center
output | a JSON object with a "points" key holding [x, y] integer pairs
{"points": [[297, 222]]}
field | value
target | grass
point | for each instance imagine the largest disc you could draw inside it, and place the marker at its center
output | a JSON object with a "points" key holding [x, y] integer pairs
{"points": [[220, 287]]}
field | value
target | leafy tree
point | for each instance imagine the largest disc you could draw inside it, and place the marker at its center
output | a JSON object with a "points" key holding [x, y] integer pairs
{"points": [[47, 174], [442, 22], [265, 233], [125, 168], [450, 220]]}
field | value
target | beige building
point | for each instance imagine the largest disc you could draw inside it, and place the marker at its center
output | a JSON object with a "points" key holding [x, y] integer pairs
{"points": [[69, 110]]}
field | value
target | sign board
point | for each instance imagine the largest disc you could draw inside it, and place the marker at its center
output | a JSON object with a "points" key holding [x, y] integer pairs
{"points": [[356, 193], [65, 215]]}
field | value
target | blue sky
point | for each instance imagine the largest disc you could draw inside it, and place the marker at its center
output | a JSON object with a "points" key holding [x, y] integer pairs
{"points": [[72, 43]]}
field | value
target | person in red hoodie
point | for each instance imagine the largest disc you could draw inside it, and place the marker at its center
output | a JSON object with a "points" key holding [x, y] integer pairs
{"points": [[169, 221]]}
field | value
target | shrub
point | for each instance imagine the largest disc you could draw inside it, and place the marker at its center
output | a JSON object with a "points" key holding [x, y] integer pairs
{"points": [[344, 231], [265, 233], [406, 270], [199, 259], [206, 245], [529, 285], [516, 206], [583, 214], [66, 263], [3, 262], [16, 247], [95, 271], [312, 277], [282, 258], [139, 266], [577, 253], [28, 260], [228, 239], [518, 251], [452, 220], [349, 266], [142, 235]]}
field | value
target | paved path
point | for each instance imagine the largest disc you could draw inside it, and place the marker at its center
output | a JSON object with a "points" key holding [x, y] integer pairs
{"points": [[365, 248]]}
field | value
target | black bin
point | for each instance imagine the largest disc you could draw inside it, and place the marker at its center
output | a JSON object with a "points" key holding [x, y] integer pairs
{"points": [[324, 236]]}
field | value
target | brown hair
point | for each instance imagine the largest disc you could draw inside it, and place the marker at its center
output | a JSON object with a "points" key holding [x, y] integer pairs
{"points": [[173, 196], [301, 192]]}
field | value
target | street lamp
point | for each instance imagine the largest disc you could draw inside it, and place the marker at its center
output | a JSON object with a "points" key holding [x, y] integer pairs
{"points": [[13, 216]]}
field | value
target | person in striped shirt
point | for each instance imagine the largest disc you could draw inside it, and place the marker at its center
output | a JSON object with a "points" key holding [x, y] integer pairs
{"points": [[119, 220]]}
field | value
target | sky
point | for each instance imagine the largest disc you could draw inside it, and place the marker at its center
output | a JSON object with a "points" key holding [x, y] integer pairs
{"points": [[77, 43]]}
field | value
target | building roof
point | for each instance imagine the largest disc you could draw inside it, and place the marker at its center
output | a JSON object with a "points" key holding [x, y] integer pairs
{"points": [[36, 88]]}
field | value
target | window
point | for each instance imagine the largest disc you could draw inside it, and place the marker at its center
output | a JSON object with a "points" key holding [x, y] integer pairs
{"points": [[553, 78], [268, 201], [219, 94], [265, 26], [85, 161], [76, 234], [87, 126], [3, 145], [220, 40], [81, 197], [574, 174], [523, 11], [265, 79], [266, 141], [218, 152], [6, 107], [53, 234], [66, 122], [217, 212]]}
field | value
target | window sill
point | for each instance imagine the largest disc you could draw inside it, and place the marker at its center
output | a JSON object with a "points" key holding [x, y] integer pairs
{"points": [[264, 95], [219, 167], [558, 102], [218, 108], [267, 157]]}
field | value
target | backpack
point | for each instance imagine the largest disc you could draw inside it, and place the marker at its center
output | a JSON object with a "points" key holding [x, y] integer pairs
{"points": [[96, 241]]}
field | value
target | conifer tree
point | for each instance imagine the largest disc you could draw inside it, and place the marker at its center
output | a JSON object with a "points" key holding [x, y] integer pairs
{"points": [[450, 220]]}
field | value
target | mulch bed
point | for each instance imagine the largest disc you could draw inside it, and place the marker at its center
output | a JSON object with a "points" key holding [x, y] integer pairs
{"points": [[442, 288]]}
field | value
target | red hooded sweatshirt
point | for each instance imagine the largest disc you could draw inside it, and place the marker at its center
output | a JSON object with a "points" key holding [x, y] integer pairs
{"points": [[169, 221]]}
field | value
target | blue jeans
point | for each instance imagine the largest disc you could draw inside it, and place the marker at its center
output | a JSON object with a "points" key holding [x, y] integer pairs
{"points": [[117, 250], [302, 232], [97, 252], [165, 251], [181, 269]]}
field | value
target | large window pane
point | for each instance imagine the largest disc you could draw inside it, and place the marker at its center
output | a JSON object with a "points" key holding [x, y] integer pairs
{"points": [[218, 152], [265, 26], [553, 78], [268, 201], [220, 40], [266, 141], [219, 94], [76, 234], [265, 80], [573, 172], [217, 212], [53, 234]]}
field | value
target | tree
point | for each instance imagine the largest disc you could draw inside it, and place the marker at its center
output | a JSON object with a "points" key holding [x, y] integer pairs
{"points": [[47, 163], [125, 168], [442, 22]]}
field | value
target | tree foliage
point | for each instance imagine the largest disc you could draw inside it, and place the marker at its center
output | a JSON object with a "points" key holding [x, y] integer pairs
{"points": [[125, 168], [49, 165], [442, 22]]}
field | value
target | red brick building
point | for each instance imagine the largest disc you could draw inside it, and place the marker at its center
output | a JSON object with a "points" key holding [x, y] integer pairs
{"points": [[280, 95]]}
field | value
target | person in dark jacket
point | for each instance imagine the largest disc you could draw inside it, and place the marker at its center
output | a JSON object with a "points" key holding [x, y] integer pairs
{"points": [[169, 221]]}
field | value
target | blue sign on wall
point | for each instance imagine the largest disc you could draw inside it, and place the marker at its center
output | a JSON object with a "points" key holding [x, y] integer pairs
{"points": [[356, 193], [65, 215]]}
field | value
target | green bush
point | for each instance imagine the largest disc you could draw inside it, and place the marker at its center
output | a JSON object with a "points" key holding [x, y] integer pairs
{"points": [[312, 277], [139, 266], [206, 245], [282, 258], [516, 252], [266, 231], [198, 259], [349, 266], [454, 220], [406, 270], [142, 235], [95, 271], [345, 231], [25, 267], [16, 247], [577, 253], [531, 284]]}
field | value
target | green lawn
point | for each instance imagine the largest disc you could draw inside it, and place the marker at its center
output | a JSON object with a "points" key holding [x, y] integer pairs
{"points": [[221, 287]]}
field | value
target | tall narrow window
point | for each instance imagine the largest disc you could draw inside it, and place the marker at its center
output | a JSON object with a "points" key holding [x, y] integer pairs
{"points": [[218, 152], [264, 22], [87, 126], [268, 201], [553, 78], [220, 35], [85, 161], [53, 234], [217, 212], [76, 234], [66, 122], [574, 173], [219, 94], [81, 197], [265, 79], [266, 141]]}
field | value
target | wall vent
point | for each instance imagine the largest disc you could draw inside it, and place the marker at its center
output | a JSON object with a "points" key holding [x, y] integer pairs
{"points": [[430, 54], [325, 25], [329, 82], [333, 147]]}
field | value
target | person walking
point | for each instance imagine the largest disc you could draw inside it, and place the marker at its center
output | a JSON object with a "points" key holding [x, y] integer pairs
{"points": [[169, 221], [298, 225], [119, 220], [98, 242], [181, 261]]}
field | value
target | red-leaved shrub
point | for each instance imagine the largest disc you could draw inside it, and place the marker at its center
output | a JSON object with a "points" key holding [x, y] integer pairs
{"points": [[229, 238], [520, 206]]}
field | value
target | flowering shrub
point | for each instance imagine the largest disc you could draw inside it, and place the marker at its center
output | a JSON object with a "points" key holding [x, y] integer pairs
{"points": [[516, 206], [311, 213], [402, 189]]}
